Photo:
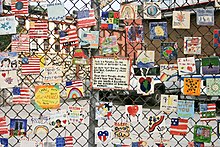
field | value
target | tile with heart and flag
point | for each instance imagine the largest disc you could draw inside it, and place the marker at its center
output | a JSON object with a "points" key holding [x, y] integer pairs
{"points": [[103, 135], [64, 141], [21, 95], [19, 6], [207, 112], [86, 18], [3, 126], [179, 126], [20, 43], [74, 89], [69, 37]]}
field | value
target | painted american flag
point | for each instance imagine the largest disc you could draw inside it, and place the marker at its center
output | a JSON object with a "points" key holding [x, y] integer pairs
{"points": [[3, 126], [207, 112], [179, 126], [30, 65], [20, 43], [38, 29], [21, 95], [64, 141], [86, 18], [69, 37], [19, 6]]}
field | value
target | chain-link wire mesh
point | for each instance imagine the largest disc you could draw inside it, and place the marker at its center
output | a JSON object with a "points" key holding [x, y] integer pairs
{"points": [[51, 53]]}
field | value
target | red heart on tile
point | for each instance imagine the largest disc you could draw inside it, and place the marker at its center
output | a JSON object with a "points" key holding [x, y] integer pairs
{"points": [[64, 121], [3, 74], [132, 110]]}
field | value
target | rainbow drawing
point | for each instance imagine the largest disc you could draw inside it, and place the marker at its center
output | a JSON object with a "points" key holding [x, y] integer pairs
{"points": [[74, 89]]}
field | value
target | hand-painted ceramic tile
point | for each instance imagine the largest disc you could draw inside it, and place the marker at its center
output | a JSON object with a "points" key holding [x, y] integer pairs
{"points": [[145, 85], [156, 124], [129, 11], [192, 45], [21, 95], [38, 29], [217, 3], [52, 74], [202, 133], [185, 109], [4, 126], [158, 142], [169, 50], [152, 10], [133, 113], [145, 59], [8, 60], [19, 7], [140, 143], [86, 18], [168, 72], [64, 141], [179, 126], [89, 39], [80, 58], [47, 97], [168, 103], [192, 86], [20, 43], [186, 65], [216, 39], [74, 89], [76, 114], [7, 25], [207, 112], [40, 125], [213, 86], [205, 17], [158, 30], [4, 142], [109, 45], [69, 37], [121, 130], [110, 20], [8, 79], [18, 127], [56, 12], [58, 119], [181, 20], [210, 65], [103, 111], [196, 144], [135, 33], [103, 135], [34, 63]]}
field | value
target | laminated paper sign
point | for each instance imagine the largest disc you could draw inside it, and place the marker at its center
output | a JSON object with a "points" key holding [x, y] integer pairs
{"points": [[110, 73], [7, 25], [47, 97], [52, 74]]}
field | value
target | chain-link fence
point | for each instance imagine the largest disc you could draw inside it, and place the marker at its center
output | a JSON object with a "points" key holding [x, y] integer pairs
{"points": [[52, 52]]}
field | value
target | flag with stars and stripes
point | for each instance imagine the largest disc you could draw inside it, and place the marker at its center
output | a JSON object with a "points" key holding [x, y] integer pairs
{"points": [[3, 126], [20, 43], [30, 65], [86, 18], [19, 6], [207, 112], [38, 29], [179, 126], [21, 95], [69, 37], [64, 141]]}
